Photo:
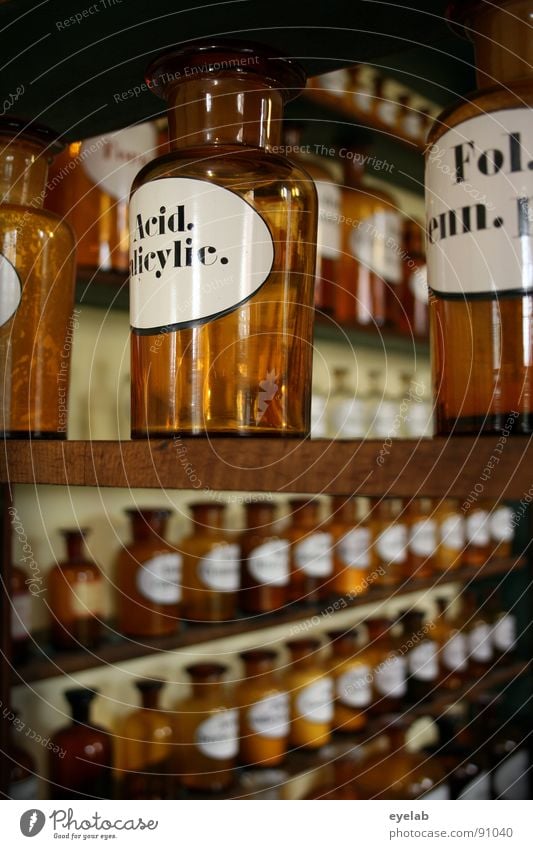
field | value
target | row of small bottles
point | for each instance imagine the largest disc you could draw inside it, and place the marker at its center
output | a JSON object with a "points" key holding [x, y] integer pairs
{"points": [[348, 414], [363, 88], [212, 572], [271, 711]]}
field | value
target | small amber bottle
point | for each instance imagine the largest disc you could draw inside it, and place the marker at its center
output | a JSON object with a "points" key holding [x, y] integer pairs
{"points": [[37, 267], [389, 668], [391, 539], [264, 561], [422, 657], [477, 535], [310, 689], [422, 539], [263, 706], [211, 567], [477, 626], [478, 198], [351, 671], [231, 226], [311, 553], [21, 615], [144, 747], [501, 530], [450, 535], [206, 731], [452, 648], [75, 596], [81, 757], [351, 538], [148, 577]]}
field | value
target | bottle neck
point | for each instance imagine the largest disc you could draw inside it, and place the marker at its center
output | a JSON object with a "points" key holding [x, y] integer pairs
{"points": [[224, 110], [150, 699], [81, 713], [259, 516], [23, 173], [206, 689], [258, 669], [343, 510], [208, 517], [74, 541], [378, 629], [145, 526], [305, 517], [501, 34]]}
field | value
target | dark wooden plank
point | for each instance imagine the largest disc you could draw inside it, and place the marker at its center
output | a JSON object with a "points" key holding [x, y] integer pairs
{"points": [[48, 663], [432, 467]]}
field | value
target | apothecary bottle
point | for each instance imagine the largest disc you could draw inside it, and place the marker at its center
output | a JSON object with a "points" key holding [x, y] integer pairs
{"points": [[452, 648], [412, 315], [477, 535], [37, 263], [391, 539], [263, 705], [264, 561], [89, 186], [478, 190], [351, 539], [389, 668], [450, 534], [144, 747], [422, 657], [21, 614], [222, 253], [352, 680], [211, 566], [501, 530], [310, 689], [479, 637], [311, 555], [81, 758], [75, 596], [148, 577], [346, 409], [206, 731], [422, 539]]}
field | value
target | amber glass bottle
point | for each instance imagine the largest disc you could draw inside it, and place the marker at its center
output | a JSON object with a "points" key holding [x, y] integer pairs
{"points": [[206, 731], [477, 626], [351, 671], [311, 695], [478, 188], [450, 535], [351, 539], [75, 596], [233, 225], [371, 248], [89, 186], [328, 238], [477, 536], [264, 561], [81, 760], [452, 648], [148, 577], [144, 753], [391, 538], [501, 530], [422, 657], [37, 263], [504, 633], [422, 539], [412, 317], [399, 773], [22, 769], [263, 707], [210, 567], [311, 556], [389, 668], [21, 615]]}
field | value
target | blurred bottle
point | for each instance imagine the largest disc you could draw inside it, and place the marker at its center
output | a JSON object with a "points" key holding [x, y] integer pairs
{"points": [[148, 577], [479, 637], [352, 681], [206, 731], [75, 596], [263, 707], [411, 309], [503, 631], [391, 539], [311, 694], [452, 646], [386, 106], [346, 412], [464, 761], [21, 615], [477, 535], [450, 534], [383, 413], [508, 742], [81, 757], [501, 530], [211, 566], [311, 552], [389, 669], [422, 657], [410, 120], [264, 561], [319, 416], [362, 88], [351, 538], [144, 747], [422, 539]]}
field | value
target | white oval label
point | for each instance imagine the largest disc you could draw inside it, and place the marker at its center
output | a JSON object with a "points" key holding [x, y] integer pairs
{"points": [[315, 702], [391, 544], [479, 183], [422, 661], [197, 251], [353, 549], [377, 244], [390, 677], [328, 238], [504, 633], [423, 537], [113, 161], [219, 569], [480, 643], [501, 527], [313, 555], [217, 737], [21, 618], [159, 579], [269, 717], [10, 290], [354, 687], [452, 532], [269, 563], [454, 653]]}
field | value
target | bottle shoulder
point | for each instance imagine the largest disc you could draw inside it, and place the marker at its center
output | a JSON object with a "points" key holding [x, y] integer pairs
{"points": [[39, 218], [517, 95]]}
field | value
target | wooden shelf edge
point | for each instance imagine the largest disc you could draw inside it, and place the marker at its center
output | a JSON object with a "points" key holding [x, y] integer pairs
{"points": [[122, 650]]}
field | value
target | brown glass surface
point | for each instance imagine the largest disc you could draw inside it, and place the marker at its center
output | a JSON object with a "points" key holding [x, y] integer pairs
{"points": [[305, 522], [346, 579], [453, 667], [256, 596], [347, 660], [306, 669], [36, 341], [259, 682], [381, 653], [75, 597], [419, 510], [208, 378]]}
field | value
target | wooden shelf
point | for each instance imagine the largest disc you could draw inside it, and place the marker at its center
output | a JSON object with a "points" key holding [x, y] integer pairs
{"points": [[47, 663], [425, 467]]}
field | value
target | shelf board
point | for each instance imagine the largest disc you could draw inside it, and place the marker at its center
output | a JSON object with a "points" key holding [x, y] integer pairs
{"points": [[426, 467], [47, 663]]}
